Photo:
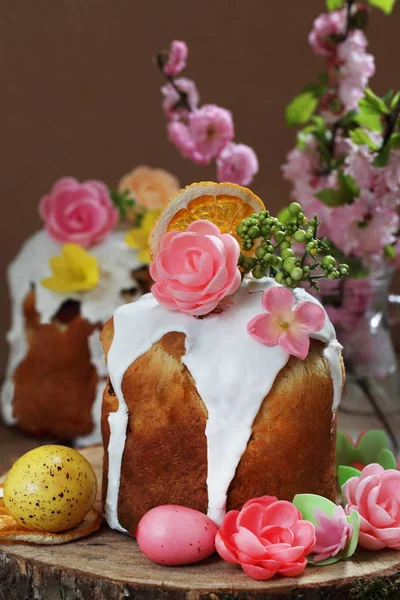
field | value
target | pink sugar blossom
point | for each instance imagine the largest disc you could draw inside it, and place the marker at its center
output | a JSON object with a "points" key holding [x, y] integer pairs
{"points": [[78, 213], [237, 163], [301, 163], [171, 98], [266, 537], [196, 268], [177, 57], [362, 227], [285, 323], [325, 28], [179, 135], [375, 494], [332, 534], [211, 129]]}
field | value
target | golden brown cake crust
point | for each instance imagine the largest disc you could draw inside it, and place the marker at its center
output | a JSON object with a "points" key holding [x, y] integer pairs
{"points": [[55, 384], [291, 449]]}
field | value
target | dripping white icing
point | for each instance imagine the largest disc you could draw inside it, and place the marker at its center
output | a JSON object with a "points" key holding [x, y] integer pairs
{"points": [[233, 373], [31, 265]]}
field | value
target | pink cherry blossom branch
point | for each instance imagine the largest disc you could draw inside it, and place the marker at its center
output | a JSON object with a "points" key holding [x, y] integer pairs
{"points": [[204, 133]]}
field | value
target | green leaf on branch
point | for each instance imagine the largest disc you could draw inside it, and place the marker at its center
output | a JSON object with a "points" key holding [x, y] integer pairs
{"points": [[345, 193], [122, 201], [361, 137], [382, 158], [389, 251], [395, 141], [395, 100], [334, 4], [300, 110], [369, 116], [385, 5], [375, 102]]}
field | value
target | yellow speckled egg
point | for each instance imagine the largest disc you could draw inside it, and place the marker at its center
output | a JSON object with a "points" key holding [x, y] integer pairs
{"points": [[50, 488]]}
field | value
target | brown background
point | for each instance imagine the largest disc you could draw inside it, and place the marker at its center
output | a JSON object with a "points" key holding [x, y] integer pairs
{"points": [[80, 96]]}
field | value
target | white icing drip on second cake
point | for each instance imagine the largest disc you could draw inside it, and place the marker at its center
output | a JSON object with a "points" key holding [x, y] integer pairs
{"points": [[233, 373], [31, 265]]}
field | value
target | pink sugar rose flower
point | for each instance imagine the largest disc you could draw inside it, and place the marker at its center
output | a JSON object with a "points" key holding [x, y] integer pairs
{"points": [[286, 324], [237, 163], [78, 213], [325, 27], [332, 534], [177, 57], [211, 129], [196, 268], [375, 494], [266, 537], [171, 97]]}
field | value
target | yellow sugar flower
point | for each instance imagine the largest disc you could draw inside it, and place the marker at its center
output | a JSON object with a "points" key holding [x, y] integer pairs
{"points": [[74, 271], [138, 236]]}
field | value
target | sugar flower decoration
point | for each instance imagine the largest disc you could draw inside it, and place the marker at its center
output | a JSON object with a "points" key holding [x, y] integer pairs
{"points": [[150, 188], [138, 236], [266, 537], [195, 269], [336, 533], [74, 271], [78, 213], [370, 447], [286, 323], [375, 494]]}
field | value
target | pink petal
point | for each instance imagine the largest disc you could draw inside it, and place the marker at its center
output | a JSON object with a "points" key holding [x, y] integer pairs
{"points": [[377, 516], [246, 541], [265, 329], [278, 300], [251, 517], [388, 535], [276, 534], [304, 535], [257, 572], [263, 500], [372, 469], [296, 344], [369, 542], [204, 228], [349, 490], [281, 513], [224, 550], [390, 485], [289, 555], [310, 316], [294, 569]]}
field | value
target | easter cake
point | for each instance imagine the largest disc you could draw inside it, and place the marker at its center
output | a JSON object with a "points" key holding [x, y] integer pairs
{"points": [[225, 380], [66, 281]]}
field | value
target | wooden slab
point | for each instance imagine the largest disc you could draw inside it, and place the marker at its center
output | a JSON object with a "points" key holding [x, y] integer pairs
{"points": [[109, 566]]}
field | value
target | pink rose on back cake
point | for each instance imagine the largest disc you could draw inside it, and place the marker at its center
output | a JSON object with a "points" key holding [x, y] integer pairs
{"points": [[196, 268], [78, 213], [266, 537]]}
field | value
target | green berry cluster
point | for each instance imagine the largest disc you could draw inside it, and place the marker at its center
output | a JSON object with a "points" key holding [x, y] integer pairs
{"points": [[273, 255]]}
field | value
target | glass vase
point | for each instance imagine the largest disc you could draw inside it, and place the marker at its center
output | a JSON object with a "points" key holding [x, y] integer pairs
{"points": [[360, 310]]}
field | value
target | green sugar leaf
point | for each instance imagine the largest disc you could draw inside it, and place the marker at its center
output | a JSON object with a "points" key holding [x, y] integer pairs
{"points": [[300, 109], [382, 158]]}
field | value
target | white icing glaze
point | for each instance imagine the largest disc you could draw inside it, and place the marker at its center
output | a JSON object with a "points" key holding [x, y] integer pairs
{"points": [[233, 373], [31, 265]]}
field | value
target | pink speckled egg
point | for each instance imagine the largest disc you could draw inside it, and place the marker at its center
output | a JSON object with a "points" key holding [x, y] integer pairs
{"points": [[176, 535]]}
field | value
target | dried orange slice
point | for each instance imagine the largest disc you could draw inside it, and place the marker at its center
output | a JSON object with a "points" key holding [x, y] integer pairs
{"points": [[224, 204], [10, 530]]}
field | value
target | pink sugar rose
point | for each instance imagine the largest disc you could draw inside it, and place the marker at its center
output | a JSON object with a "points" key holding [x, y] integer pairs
{"points": [[177, 57], [237, 163], [171, 97], [332, 534], [266, 537], [325, 28], [78, 213], [286, 324], [211, 129], [196, 268], [375, 494]]}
